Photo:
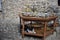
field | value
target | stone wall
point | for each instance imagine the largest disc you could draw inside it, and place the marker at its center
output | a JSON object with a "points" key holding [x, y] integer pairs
{"points": [[10, 24]]}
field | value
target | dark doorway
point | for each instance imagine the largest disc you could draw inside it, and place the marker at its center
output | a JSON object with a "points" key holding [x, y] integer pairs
{"points": [[0, 5], [58, 2]]}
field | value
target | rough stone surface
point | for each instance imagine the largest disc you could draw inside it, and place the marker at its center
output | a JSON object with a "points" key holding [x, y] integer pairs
{"points": [[9, 20]]}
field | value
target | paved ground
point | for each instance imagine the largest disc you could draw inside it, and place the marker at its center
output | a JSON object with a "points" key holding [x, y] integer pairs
{"points": [[54, 36]]}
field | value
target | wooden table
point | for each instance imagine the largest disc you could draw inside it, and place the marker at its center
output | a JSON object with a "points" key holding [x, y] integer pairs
{"points": [[45, 20]]}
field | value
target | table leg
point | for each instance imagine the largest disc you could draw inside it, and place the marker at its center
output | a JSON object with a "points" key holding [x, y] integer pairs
{"points": [[45, 26], [22, 21]]}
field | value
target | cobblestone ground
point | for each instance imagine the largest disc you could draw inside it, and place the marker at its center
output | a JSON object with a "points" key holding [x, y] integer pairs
{"points": [[4, 35]]}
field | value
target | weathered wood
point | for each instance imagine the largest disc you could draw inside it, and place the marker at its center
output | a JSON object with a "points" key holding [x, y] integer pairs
{"points": [[38, 18]]}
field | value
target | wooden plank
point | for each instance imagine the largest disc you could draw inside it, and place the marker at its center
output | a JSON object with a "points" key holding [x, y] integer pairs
{"points": [[32, 34], [38, 18]]}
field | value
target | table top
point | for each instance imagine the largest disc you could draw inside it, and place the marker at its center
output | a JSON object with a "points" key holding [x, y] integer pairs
{"points": [[27, 18]]}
